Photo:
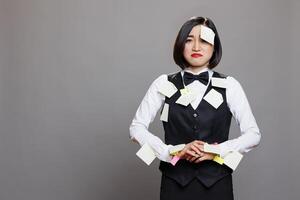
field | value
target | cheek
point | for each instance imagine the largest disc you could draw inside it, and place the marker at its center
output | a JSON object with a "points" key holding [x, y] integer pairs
{"points": [[186, 50], [209, 50]]}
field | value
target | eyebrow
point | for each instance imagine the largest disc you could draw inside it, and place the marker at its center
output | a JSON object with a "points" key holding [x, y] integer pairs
{"points": [[193, 36]]}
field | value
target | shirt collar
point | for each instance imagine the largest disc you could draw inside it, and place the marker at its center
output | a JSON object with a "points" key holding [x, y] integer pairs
{"points": [[210, 72], [203, 70]]}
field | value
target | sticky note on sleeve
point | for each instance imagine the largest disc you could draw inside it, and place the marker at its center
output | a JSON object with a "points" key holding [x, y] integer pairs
{"points": [[219, 160], [146, 154], [210, 148], [165, 113], [232, 159], [175, 149], [174, 160]]}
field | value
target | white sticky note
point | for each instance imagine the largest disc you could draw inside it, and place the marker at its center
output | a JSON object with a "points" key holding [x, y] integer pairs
{"points": [[214, 98], [210, 148], [146, 154], [232, 159], [174, 149], [168, 89], [186, 98], [165, 113], [207, 34], [219, 82]]}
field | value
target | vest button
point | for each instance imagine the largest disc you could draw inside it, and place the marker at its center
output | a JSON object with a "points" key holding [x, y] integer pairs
{"points": [[195, 115], [195, 127]]}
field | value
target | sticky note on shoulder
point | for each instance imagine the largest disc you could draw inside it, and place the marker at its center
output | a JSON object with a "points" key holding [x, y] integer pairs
{"points": [[232, 159], [210, 148], [146, 154], [219, 82], [167, 89], [214, 98], [165, 113], [207, 34]]}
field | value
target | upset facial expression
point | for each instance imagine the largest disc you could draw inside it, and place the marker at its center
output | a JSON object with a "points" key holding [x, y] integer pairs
{"points": [[197, 52]]}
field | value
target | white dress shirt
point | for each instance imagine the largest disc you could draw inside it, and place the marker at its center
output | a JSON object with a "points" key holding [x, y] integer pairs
{"points": [[236, 101]]}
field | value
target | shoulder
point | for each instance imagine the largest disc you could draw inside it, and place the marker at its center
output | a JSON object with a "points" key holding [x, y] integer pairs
{"points": [[231, 81], [163, 78]]}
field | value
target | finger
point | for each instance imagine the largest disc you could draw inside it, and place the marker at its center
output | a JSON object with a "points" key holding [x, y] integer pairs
{"points": [[181, 154], [191, 153], [193, 159], [201, 147], [196, 150], [198, 146], [197, 160], [201, 159], [188, 158], [200, 142]]}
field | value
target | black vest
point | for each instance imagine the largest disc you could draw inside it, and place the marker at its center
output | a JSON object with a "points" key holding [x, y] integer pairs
{"points": [[185, 124]]}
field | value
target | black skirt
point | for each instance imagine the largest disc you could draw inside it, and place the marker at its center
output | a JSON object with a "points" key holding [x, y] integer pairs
{"points": [[171, 190]]}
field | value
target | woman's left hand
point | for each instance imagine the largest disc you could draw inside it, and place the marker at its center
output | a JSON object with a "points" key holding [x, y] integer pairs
{"points": [[206, 156], [203, 156]]}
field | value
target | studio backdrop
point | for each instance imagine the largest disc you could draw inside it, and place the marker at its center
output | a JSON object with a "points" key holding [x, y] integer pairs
{"points": [[72, 74]]}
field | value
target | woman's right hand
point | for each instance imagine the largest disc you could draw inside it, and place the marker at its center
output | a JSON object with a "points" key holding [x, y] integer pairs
{"points": [[191, 150]]}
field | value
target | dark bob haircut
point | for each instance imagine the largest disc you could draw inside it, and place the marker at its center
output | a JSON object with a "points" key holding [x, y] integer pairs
{"points": [[182, 36]]}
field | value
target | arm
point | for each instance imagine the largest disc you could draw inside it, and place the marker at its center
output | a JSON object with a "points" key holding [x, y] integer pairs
{"points": [[240, 109], [145, 114]]}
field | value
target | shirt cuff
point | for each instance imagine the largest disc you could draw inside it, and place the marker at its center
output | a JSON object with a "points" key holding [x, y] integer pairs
{"points": [[224, 149], [165, 156]]}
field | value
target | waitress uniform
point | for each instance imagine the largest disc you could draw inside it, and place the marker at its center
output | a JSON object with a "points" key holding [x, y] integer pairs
{"points": [[201, 120]]}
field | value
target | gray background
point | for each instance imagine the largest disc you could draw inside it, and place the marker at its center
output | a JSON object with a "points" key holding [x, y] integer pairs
{"points": [[74, 72]]}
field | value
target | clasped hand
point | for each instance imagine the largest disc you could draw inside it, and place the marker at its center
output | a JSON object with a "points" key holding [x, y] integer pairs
{"points": [[194, 152]]}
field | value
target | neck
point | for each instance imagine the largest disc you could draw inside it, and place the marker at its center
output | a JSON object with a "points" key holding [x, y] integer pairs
{"points": [[196, 69]]}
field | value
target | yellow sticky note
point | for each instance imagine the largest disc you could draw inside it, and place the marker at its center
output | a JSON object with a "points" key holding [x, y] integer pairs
{"points": [[219, 160], [184, 91], [175, 149]]}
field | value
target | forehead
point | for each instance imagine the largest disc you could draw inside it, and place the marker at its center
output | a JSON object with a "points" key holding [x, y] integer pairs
{"points": [[196, 30]]}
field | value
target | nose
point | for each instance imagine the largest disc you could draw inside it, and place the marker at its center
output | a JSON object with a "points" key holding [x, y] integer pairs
{"points": [[196, 46]]}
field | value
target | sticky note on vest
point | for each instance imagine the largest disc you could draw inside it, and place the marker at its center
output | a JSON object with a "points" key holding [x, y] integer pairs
{"points": [[167, 89], [186, 98], [165, 113], [146, 154], [214, 98], [232, 159], [219, 82], [207, 34]]}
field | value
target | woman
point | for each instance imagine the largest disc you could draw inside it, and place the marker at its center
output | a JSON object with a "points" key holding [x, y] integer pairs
{"points": [[197, 106]]}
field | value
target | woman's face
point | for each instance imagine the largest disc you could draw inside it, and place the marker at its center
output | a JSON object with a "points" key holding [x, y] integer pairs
{"points": [[197, 52]]}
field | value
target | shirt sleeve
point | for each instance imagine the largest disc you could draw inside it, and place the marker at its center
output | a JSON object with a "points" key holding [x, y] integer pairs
{"points": [[240, 109], [145, 114]]}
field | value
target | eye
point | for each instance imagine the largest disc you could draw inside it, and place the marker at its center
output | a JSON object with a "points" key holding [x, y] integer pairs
{"points": [[188, 40], [203, 41]]}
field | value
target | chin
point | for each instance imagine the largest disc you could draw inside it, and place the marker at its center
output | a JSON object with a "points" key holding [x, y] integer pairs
{"points": [[197, 64]]}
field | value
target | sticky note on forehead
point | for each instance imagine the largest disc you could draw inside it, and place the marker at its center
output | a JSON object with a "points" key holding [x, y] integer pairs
{"points": [[207, 34]]}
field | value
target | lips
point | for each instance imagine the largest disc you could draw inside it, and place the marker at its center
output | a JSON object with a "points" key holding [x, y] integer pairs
{"points": [[196, 55]]}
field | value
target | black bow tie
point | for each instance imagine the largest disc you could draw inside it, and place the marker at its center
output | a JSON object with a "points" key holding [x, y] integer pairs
{"points": [[189, 78]]}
